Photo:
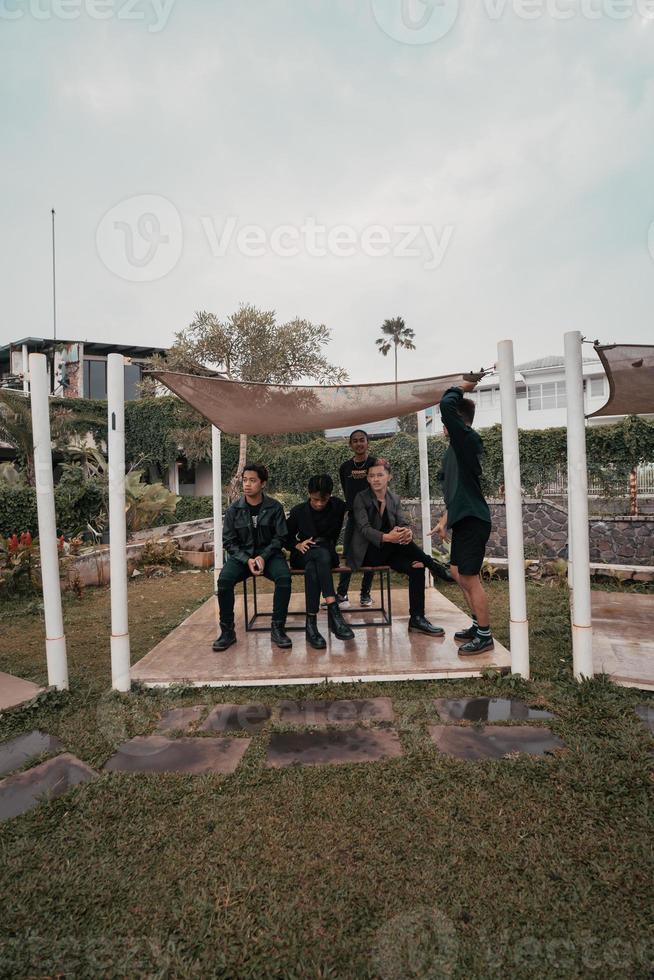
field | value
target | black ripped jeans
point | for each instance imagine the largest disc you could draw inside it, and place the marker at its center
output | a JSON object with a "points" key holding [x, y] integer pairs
{"points": [[317, 563]]}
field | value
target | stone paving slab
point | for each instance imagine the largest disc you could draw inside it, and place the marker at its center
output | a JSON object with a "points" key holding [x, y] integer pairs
{"points": [[154, 753], [495, 742], [237, 718], [15, 691], [25, 790], [16, 752], [646, 714], [341, 712], [331, 748], [488, 709], [180, 719]]}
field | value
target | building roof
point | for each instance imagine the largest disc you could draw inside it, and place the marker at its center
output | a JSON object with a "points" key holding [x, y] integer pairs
{"points": [[551, 361], [90, 346]]}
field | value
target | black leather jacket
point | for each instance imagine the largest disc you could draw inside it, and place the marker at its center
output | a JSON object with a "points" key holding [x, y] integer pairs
{"points": [[238, 533]]}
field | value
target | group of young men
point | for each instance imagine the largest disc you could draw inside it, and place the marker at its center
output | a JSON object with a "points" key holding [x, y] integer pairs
{"points": [[377, 532]]}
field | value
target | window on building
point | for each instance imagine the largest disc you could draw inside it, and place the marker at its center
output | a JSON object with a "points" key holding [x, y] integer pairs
{"points": [[487, 397], [548, 395], [95, 379], [597, 387], [132, 378]]}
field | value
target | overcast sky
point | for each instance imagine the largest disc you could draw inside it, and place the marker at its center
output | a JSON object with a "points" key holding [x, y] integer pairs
{"points": [[483, 171]]}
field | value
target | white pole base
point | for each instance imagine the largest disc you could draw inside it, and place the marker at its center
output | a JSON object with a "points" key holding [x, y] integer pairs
{"points": [[582, 651], [55, 653], [519, 643], [120, 666]]}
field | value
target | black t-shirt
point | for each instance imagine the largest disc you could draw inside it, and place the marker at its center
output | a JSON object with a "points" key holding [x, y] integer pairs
{"points": [[322, 521], [254, 517], [354, 479]]}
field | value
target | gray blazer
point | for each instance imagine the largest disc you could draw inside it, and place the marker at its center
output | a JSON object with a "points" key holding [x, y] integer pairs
{"points": [[367, 524]]}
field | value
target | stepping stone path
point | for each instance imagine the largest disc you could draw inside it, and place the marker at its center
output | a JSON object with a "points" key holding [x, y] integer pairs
{"points": [[180, 719], [331, 748], [488, 709], [494, 742], [646, 714], [154, 753], [18, 751], [237, 718], [317, 713], [25, 790]]}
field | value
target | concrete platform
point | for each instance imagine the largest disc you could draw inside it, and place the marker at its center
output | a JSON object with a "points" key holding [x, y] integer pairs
{"points": [[375, 654], [623, 638], [14, 691]]}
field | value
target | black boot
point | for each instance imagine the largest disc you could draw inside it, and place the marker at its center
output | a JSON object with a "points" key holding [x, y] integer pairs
{"points": [[226, 639], [440, 571], [314, 637], [418, 624], [337, 624], [278, 636]]}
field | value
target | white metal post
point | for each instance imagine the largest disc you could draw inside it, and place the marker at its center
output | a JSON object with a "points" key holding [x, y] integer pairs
{"points": [[425, 508], [120, 650], [582, 633], [519, 624], [26, 372], [55, 641], [217, 504]]}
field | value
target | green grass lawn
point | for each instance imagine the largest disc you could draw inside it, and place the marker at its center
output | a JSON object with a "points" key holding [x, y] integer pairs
{"points": [[421, 866]]}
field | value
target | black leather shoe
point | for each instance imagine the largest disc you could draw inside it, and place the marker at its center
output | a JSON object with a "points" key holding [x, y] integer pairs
{"points": [[418, 624], [337, 624], [314, 637], [475, 647], [226, 639], [441, 571], [468, 634], [279, 637]]}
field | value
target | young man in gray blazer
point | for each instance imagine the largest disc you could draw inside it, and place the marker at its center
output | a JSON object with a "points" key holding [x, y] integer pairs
{"points": [[382, 536]]}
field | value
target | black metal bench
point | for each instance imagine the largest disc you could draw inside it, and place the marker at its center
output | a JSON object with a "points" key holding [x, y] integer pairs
{"points": [[385, 609]]}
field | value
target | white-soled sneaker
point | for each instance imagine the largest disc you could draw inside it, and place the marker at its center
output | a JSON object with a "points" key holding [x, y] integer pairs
{"points": [[366, 599]]}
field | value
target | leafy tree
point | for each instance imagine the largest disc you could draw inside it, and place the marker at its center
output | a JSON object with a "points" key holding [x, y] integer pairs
{"points": [[16, 427], [395, 334], [251, 346]]}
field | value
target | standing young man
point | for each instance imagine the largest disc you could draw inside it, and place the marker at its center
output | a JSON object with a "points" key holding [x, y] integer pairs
{"points": [[466, 515], [353, 474], [254, 533], [382, 536]]}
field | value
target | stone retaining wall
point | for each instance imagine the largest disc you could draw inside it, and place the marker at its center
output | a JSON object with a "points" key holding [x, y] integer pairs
{"points": [[613, 539]]}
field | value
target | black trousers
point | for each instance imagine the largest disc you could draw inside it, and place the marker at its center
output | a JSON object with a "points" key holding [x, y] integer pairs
{"points": [[317, 563], [400, 557], [344, 580], [234, 571]]}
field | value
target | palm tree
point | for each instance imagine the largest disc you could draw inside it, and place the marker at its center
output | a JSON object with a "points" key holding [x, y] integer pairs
{"points": [[395, 334]]}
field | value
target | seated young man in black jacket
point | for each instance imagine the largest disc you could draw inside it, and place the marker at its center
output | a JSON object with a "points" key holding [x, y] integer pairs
{"points": [[313, 530], [382, 536], [254, 533]]}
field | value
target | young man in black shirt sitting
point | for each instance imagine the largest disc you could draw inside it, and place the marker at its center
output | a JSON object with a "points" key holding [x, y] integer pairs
{"points": [[382, 536], [353, 474], [313, 530], [254, 533]]}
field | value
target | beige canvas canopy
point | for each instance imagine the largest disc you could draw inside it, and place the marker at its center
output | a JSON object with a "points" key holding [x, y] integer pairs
{"points": [[265, 409], [630, 370]]}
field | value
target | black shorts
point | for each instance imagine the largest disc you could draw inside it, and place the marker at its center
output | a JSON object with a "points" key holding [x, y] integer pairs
{"points": [[469, 538]]}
